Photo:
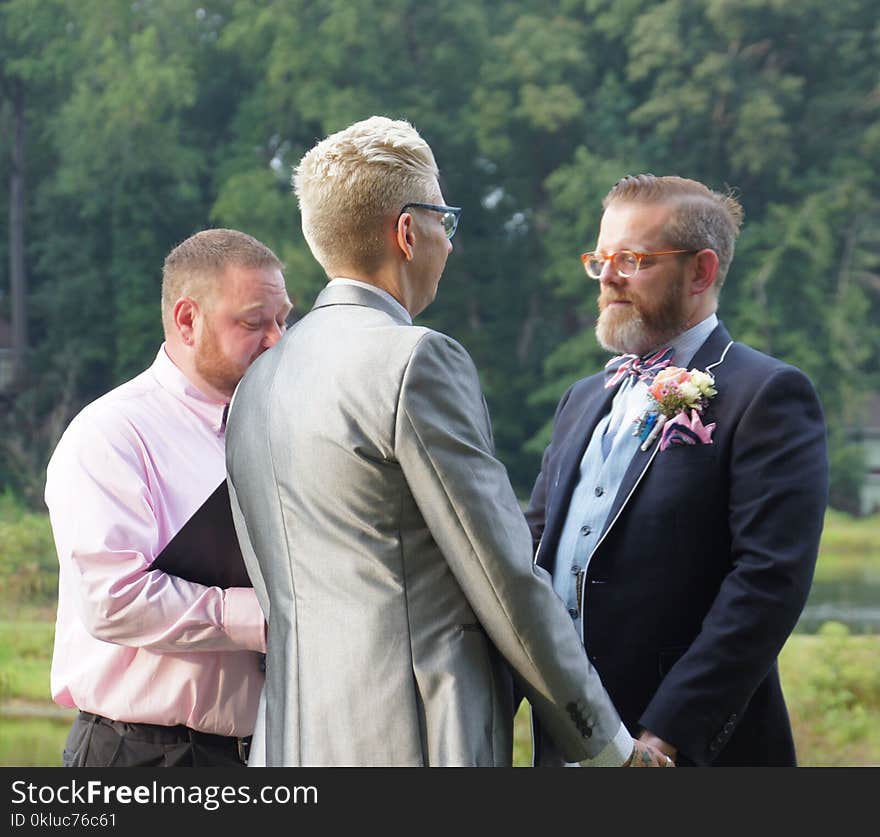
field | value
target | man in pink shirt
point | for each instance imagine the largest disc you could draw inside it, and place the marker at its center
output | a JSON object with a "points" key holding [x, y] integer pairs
{"points": [[164, 671]]}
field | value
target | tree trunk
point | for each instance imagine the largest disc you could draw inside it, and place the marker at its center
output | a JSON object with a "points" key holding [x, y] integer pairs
{"points": [[18, 278], [527, 329]]}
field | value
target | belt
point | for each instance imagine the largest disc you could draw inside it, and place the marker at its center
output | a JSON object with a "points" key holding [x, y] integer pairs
{"points": [[158, 734]]}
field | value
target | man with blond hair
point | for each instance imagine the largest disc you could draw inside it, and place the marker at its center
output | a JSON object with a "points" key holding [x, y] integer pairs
{"points": [[164, 671], [387, 548], [681, 499]]}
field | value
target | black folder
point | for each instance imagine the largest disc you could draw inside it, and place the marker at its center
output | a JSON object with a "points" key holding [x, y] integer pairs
{"points": [[206, 549]]}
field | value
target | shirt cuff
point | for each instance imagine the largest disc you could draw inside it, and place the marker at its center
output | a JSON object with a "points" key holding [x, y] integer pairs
{"points": [[243, 620], [617, 751]]}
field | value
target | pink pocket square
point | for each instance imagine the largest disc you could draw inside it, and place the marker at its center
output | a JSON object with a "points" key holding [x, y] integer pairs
{"points": [[681, 430]]}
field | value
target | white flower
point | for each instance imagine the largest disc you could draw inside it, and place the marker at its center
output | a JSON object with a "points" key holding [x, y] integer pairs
{"points": [[690, 392], [704, 382]]}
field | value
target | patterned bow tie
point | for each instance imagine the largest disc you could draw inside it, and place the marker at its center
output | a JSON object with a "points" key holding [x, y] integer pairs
{"points": [[644, 368]]}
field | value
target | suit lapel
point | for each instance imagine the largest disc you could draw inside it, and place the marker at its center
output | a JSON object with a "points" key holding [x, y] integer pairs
{"points": [[709, 354], [564, 478], [712, 351]]}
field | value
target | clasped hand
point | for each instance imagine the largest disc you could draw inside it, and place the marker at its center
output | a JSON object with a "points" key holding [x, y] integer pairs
{"points": [[646, 755]]}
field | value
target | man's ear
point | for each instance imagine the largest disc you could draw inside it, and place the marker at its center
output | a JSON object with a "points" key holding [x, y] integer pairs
{"points": [[405, 236], [705, 271], [186, 313]]}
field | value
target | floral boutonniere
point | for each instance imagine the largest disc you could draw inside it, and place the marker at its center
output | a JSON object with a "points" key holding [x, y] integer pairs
{"points": [[679, 398]]}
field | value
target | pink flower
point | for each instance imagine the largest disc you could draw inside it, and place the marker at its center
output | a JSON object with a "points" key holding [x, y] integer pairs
{"points": [[667, 381]]}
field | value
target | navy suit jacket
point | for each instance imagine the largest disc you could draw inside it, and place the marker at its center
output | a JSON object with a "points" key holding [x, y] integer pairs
{"points": [[705, 561]]}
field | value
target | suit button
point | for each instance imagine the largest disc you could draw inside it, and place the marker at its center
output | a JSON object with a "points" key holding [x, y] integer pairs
{"points": [[572, 612], [575, 569], [599, 491], [585, 530]]}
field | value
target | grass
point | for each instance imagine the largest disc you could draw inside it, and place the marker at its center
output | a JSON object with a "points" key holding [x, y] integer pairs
{"points": [[850, 547], [32, 742], [832, 684], [522, 737], [32, 728], [831, 681], [25, 657]]}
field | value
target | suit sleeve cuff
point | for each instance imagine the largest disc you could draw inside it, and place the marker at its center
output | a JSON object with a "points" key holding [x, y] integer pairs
{"points": [[616, 752], [243, 620]]}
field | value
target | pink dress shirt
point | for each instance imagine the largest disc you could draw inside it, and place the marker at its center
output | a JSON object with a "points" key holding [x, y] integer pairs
{"points": [[131, 643]]}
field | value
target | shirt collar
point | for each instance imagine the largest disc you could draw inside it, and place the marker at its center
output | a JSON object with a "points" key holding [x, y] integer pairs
{"points": [[688, 342], [344, 280], [172, 379]]}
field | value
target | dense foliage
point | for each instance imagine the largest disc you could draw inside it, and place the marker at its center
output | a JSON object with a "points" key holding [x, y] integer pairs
{"points": [[138, 123]]}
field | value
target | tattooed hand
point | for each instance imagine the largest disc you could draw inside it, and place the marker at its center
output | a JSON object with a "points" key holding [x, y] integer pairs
{"points": [[644, 755]]}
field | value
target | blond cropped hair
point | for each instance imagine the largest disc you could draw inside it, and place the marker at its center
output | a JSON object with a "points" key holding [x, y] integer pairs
{"points": [[353, 183], [702, 219], [193, 267]]}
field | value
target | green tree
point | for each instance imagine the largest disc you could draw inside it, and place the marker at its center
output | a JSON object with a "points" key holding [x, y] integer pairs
{"points": [[148, 121]]}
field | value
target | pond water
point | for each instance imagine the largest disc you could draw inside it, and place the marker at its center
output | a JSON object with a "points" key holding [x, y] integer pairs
{"points": [[853, 601]]}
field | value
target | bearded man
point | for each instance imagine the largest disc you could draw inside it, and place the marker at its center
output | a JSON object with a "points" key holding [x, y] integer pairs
{"points": [[682, 496], [164, 671]]}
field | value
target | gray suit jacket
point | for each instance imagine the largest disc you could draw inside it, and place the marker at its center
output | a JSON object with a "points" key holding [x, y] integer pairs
{"points": [[390, 555]]}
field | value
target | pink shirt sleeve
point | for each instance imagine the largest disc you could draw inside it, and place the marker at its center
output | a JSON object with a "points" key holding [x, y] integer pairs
{"points": [[110, 522]]}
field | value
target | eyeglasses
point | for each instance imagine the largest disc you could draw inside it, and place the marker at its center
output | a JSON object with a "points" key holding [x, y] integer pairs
{"points": [[450, 215], [626, 263]]}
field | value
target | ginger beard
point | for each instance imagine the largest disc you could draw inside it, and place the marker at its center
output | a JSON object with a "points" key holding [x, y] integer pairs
{"points": [[215, 366], [645, 323]]}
